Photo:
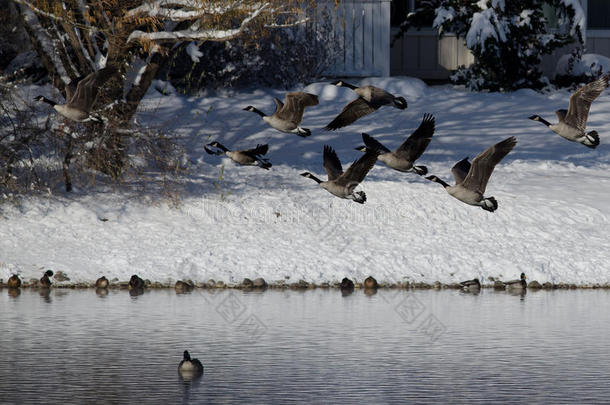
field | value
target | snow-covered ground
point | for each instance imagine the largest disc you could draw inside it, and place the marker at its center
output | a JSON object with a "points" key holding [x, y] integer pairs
{"points": [[552, 222]]}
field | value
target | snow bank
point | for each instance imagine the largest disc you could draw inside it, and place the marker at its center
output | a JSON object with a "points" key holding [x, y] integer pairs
{"points": [[588, 65], [553, 221]]}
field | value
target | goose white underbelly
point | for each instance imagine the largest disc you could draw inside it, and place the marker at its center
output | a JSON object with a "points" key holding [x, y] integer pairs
{"points": [[463, 194], [335, 189], [71, 113], [279, 124], [241, 158], [568, 132], [395, 163]]}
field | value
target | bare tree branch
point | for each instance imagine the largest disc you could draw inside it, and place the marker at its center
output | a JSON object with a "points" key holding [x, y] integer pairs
{"points": [[37, 10]]}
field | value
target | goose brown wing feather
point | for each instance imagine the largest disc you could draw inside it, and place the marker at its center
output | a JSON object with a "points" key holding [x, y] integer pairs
{"points": [[561, 114], [278, 104], [86, 91], [332, 164], [380, 97], [71, 87], [259, 150], [351, 112], [580, 102], [372, 143], [415, 145], [483, 165], [358, 170], [295, 105], [460, 170]]}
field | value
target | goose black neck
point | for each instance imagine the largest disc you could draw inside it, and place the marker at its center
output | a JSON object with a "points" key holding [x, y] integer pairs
{"points": [[539, 118], [441, 182], [314, 178], [545, 122], [259, 112], [221, 146], [348, 85], [46, 100], [187, 356]]}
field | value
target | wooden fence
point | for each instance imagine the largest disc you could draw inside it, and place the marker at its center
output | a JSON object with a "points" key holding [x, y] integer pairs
{"points": [[360, 37]]}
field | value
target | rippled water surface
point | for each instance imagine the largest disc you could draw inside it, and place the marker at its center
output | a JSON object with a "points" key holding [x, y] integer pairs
{"points": [[316, 346]]}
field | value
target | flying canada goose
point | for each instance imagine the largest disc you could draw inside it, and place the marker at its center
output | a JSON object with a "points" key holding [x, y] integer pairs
{"points": [[471, 285], [572, 122], [190, 367], [402, 159], [471, 179], [248, 157], [519, 284], [44, 280], [81, 94], [287, 117], [342, 184], [370, 98], [136, 283], [14, 281], [101, 282]]}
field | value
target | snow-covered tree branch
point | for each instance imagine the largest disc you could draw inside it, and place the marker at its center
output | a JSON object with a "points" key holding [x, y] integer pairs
{"points": [[507, 38], [195, 32], [76, 37]]}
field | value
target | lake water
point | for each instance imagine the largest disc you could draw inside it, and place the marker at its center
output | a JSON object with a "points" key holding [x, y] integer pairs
{"points": [[313, 347]]}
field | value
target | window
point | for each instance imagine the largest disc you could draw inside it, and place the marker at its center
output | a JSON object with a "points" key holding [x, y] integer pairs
{"points": [[598, 14], [400, 9], [551, 16]]}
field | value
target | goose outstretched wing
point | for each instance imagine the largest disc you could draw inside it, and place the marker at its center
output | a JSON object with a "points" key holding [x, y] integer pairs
{"points": [[460, 170], [358, 170], [295, 106], [86, 91], [372, 143], [580, 102], [413, 147], [483, 165], [350, 113], [332, 164]]}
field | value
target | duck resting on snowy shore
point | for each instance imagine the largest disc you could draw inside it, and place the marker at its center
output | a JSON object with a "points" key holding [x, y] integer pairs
{"points": [[519, 284], [473, 285]]}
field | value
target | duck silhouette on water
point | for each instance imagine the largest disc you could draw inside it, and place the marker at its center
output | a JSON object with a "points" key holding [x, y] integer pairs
{"points": [[190, 368]]}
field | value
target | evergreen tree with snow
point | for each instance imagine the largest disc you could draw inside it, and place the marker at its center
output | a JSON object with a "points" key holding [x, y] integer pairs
{"points": [[507, 38]]}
